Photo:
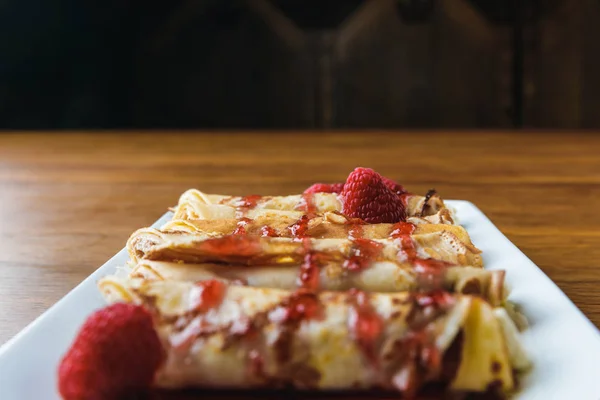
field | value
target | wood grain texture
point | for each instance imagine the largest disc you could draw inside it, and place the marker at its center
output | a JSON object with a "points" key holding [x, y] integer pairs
{"points": [[69, 201]]}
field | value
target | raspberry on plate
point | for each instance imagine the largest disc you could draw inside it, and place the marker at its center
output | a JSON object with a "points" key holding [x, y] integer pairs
{"points": [[116, 353]]}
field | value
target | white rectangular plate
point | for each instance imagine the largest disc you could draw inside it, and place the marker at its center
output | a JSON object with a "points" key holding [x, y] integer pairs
{"points": [[562, 343]]}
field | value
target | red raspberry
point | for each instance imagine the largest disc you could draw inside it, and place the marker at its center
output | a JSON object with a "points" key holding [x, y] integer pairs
{"points": [[325, 188], [116, 353], [366, 196], [395, 187]]}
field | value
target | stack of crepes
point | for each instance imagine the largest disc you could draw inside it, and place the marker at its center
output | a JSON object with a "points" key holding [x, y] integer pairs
{"points": [[288, 291]]}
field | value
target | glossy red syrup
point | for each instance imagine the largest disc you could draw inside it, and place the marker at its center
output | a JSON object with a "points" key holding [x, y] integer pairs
{"points": [[210, 295], [436, 298], [402, 231], [402, 228], [362, 254], [241, 226], [301, 305], [308, 205], [246, 203], [417, 349], [232, 245], [309, 272], [300, 228], [267, 231], [257, 364], [430, 272], [364, 322], [356, 231]]}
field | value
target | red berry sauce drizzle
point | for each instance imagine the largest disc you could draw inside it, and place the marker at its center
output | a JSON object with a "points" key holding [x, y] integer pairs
{"points": [[309, 270], [356, 229], [299, 228], [241, 226], [299, 306], [363, 251], [288, 315], [364, 323], [308, 205], [430, 272], [362, 254], [208, 295], [415, 356], [205, 296], [231, 247], [242, 206], [267, 231]]}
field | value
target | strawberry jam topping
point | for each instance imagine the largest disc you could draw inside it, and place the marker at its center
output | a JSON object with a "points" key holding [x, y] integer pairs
{"points": [[246, 203], [256, 364], [419, 359], [438, 299], [415, 356], [402, 231], [308, 205], [365, 324], [300, 228], [362, 254], [267, 231], [208, 295], [309, 272], [430, 272], [234, 246], [356, 231], [402, 228], [427, 306], [299, 306], [241, 226]]}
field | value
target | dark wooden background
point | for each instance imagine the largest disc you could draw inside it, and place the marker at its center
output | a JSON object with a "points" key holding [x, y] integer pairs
{"points": [[299, 64]]}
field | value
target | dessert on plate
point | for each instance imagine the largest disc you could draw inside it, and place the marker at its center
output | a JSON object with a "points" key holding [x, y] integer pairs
{"points": [[350, 286]]}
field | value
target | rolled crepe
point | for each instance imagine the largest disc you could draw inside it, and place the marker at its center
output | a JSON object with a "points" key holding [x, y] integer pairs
{"points": [[207, 247], [382, 276], [329, 225], [221, 336], [194, 204]]}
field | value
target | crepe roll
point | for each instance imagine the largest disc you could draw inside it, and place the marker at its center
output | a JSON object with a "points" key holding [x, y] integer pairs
{"points": [[224, 336], [153, 244], [330, 225], [381, 276], [194, 204]]}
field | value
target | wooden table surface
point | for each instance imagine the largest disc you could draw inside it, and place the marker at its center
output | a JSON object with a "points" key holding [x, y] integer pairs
{"points": [[69, 201]]}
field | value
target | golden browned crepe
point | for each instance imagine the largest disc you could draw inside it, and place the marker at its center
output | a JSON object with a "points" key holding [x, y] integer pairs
{"points": [[414, 262], [154, 244], [329, 225], [224, 336], [194, 204]]}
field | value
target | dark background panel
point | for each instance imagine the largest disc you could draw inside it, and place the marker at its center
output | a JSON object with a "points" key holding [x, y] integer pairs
{"points": [[299, 64]]}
